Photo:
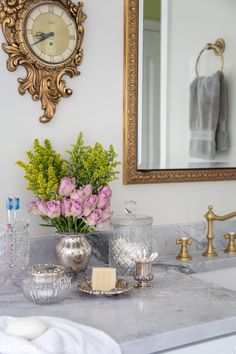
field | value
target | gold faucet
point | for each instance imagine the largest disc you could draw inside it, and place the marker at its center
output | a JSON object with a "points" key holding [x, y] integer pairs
{"points": [[231, 248], [211, 216], [183, 254]]}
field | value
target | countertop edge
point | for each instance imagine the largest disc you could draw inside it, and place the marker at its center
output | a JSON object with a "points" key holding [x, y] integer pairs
{"points": [[183, 336]]}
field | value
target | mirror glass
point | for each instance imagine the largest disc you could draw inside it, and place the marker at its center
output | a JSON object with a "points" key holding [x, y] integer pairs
{"points": [[172, 132]]}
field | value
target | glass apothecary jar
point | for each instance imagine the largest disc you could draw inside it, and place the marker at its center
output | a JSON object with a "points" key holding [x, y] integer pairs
{"points": [[130, 233]]}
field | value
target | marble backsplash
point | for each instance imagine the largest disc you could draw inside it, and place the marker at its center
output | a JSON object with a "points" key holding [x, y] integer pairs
{"points": [[163, 236]]}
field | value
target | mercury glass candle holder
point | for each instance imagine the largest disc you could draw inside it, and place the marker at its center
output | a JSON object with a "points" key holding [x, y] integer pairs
{"points": [[46, 284]]}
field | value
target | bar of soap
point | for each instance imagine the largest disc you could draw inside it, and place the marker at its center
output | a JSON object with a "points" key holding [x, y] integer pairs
{"points": [[103, 278], [26, 327]]}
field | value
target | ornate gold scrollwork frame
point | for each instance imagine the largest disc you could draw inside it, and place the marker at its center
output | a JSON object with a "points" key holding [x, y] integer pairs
{"points": [[130, 173], [43, 81]]}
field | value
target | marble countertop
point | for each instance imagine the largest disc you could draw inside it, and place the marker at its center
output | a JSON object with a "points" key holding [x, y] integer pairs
{"points": [[199, 263], [178, 310]]}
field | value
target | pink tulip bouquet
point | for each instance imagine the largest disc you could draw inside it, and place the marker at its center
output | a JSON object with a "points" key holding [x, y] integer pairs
{"points": [[78, 210], [72, 195]]}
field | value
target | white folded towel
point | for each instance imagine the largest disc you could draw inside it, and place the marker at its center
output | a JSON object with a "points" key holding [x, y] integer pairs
{"points": [[62, 336]]}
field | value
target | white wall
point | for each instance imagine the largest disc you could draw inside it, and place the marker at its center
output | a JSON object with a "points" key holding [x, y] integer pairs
{"points": [[96, 108]]}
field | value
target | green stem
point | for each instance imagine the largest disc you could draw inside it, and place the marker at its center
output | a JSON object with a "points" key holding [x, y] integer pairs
{"points": [[68, 224]]}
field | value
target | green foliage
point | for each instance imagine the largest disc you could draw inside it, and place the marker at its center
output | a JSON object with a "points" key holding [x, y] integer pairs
{"points": [[44, 170], [89, 165], [92, 165]]}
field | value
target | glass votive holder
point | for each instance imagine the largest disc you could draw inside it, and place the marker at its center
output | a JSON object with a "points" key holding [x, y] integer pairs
{"points": [[46, 284]]}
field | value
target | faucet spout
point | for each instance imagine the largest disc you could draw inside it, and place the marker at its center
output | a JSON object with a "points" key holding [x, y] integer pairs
{"points": [[211, 217]]}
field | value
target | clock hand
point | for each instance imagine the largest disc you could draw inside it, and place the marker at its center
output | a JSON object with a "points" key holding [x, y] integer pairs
{"points": [[43, 37], [39, 34]]}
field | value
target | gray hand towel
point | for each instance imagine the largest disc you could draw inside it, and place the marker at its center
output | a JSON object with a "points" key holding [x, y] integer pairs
{"points": [[208, 116], [222, 133]]}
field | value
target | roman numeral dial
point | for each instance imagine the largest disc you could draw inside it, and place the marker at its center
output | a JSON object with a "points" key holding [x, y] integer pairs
{"points": [[51, 33]]}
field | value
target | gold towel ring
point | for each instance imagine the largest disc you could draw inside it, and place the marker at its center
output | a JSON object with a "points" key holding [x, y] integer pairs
{"points": [[218, 47]]}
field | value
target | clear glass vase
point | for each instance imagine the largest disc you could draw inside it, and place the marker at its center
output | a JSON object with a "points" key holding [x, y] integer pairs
{"points": [[3, 257], [17, 244], [73, 251]]}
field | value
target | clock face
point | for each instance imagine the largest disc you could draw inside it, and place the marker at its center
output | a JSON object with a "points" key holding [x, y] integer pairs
{"points": [[51, 33]]}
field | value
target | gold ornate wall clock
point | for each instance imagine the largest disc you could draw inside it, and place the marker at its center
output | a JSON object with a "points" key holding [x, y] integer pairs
{"points": [[45, 36]]}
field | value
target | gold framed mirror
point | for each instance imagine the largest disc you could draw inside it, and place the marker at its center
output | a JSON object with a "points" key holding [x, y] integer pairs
{"points": [[133, 175]]}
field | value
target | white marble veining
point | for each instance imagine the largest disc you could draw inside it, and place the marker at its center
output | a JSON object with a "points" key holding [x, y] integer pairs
{"points": [[164, 237], [199, 263], [178, 310], [164, 242], [225, 277]]}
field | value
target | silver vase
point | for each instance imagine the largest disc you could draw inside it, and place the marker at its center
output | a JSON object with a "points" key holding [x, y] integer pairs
{"points": [[73, 251]]}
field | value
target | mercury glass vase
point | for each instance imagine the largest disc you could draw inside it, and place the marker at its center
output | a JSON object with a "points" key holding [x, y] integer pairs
{"points": [[73, 251]]}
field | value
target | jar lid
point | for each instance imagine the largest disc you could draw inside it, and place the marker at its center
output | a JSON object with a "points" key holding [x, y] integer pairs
{"points": [[130, 218], [48, 270]]}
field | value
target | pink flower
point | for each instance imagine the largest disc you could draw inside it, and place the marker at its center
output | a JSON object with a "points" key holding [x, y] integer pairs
{"points": [[66, 207], [103, 202], [90, 204], [80, 203], [106, 215], [33, 208], [67, 185], [104, 197], [88, 190], [76, 209], [77, 195], [82, 194], [93, 218], [53, 208], [105, 192], [42, 207]]}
